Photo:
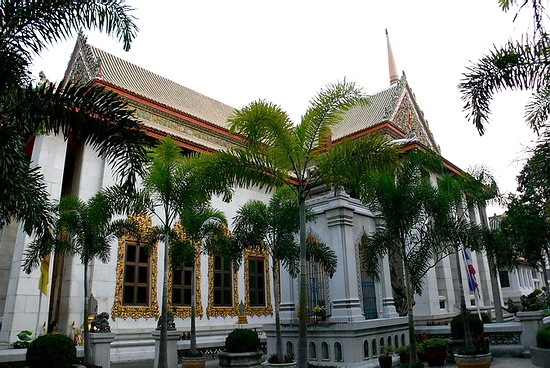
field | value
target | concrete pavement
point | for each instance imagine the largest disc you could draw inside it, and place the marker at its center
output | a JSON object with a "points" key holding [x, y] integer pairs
{"points": [[499, 362]]}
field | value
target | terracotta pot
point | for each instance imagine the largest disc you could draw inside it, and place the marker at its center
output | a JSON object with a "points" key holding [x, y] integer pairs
{"points": [[473, 361], [435, 357], [404, 358], [193, 362]]}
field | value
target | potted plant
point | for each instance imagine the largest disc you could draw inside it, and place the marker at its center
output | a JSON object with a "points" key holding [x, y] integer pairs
{"points": [[435, 351], [540, 356], [289, 361], [192, 359], [386, 356], [479, 356], [24, 340], [404, 354], [319, 313], [242, 349]]}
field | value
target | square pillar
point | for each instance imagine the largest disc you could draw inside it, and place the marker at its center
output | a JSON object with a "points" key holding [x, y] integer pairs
{"points": [[531, 322], [101, 348], [173, 337]]}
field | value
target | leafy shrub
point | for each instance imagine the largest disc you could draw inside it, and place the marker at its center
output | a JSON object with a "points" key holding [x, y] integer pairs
{"points": [[242, 340], [403, 350], [543, 338], [51, 351], [435, 344], [457, 326], [273, 359], [24, 340], [386, 350]]}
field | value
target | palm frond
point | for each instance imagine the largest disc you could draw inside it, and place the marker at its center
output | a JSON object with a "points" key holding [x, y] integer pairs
{"points": [[326, 109], [537, 110], [266, 127], [321, 253], [240, 167], [349, 162], [23, 194], [91, 115], [522, 65]]}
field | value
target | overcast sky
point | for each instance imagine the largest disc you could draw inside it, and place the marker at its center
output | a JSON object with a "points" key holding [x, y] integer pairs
{"points": [[285, 51]]}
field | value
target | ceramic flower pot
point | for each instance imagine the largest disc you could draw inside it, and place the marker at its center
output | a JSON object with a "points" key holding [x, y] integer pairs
{"points": [[473, 361]]}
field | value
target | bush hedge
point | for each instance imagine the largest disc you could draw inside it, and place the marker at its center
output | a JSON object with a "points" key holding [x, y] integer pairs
{"points": [[457, 326], [51, 351], [242, 340], [543, 338]]}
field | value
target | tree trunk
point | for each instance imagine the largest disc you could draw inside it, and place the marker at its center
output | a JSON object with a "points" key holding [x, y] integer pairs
{"points": [[193, 342], [412, 334], [87, 346], [495, 287], [278, 337], [468, 342], [499, 316], [302, 313], [163, 344]]}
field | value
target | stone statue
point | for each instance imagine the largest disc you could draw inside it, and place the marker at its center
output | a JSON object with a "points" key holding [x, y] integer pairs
{"points": [[169, 321], [77, 336], [92, 305], [101, 323]]}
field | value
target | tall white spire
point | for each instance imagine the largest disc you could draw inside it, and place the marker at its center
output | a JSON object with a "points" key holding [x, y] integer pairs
{"points": [[391, 63]]}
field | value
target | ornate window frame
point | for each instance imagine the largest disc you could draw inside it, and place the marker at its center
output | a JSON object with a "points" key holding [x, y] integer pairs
{"points": [[266, 310], [120, 310], [212, 310]]}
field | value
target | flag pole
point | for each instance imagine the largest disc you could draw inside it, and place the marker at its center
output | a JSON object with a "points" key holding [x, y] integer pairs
{"points": [[38, 314]]}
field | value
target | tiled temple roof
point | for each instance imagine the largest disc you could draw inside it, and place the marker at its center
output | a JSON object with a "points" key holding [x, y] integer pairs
{"points": [[361, 117], [142, 82]]}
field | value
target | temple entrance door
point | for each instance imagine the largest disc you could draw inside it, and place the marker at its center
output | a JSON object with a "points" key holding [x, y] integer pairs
{"points": [[370, 309]]}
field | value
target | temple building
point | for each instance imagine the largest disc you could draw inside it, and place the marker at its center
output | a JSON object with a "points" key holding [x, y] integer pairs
{"points": [[362, 312]]}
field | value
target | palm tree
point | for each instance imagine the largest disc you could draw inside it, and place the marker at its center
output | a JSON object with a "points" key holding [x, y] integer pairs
{"points": [[201, 227], [279, 153], [92, 115], [273, 228], [84, 228], [518, 65], [408, 207], [172, 191]]}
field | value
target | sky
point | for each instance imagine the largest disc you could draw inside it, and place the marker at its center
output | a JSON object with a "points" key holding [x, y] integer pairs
{"points": [[286, 51]]}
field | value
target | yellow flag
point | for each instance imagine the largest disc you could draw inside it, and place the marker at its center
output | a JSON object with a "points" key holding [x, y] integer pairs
{"points": [[44, 275]]}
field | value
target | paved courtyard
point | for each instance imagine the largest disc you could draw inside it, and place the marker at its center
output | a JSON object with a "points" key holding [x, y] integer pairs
{"points": [[497, 363]]}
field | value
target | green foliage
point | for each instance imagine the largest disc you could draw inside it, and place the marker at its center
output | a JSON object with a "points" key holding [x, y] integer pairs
{"points": [[457, 326], [518, 65], [435, 344], [24, 340], [273, 359], [242, 340], [406, 201], [87, 114], [280, 153], [51, 351], [404, 350], [543, 338], [387, 350]]}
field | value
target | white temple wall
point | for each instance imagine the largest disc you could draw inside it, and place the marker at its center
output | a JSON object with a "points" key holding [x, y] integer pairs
{"points": [[8, 236], [21, 311]]}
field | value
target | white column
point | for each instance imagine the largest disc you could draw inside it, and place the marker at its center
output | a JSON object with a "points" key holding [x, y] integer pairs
{"points": [[22, 300], [388, 304], [346, 306]]}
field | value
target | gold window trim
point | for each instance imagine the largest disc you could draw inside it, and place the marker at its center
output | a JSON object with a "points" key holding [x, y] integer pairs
{"points": [[125, 311], [212, 310], [267, 310]]}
